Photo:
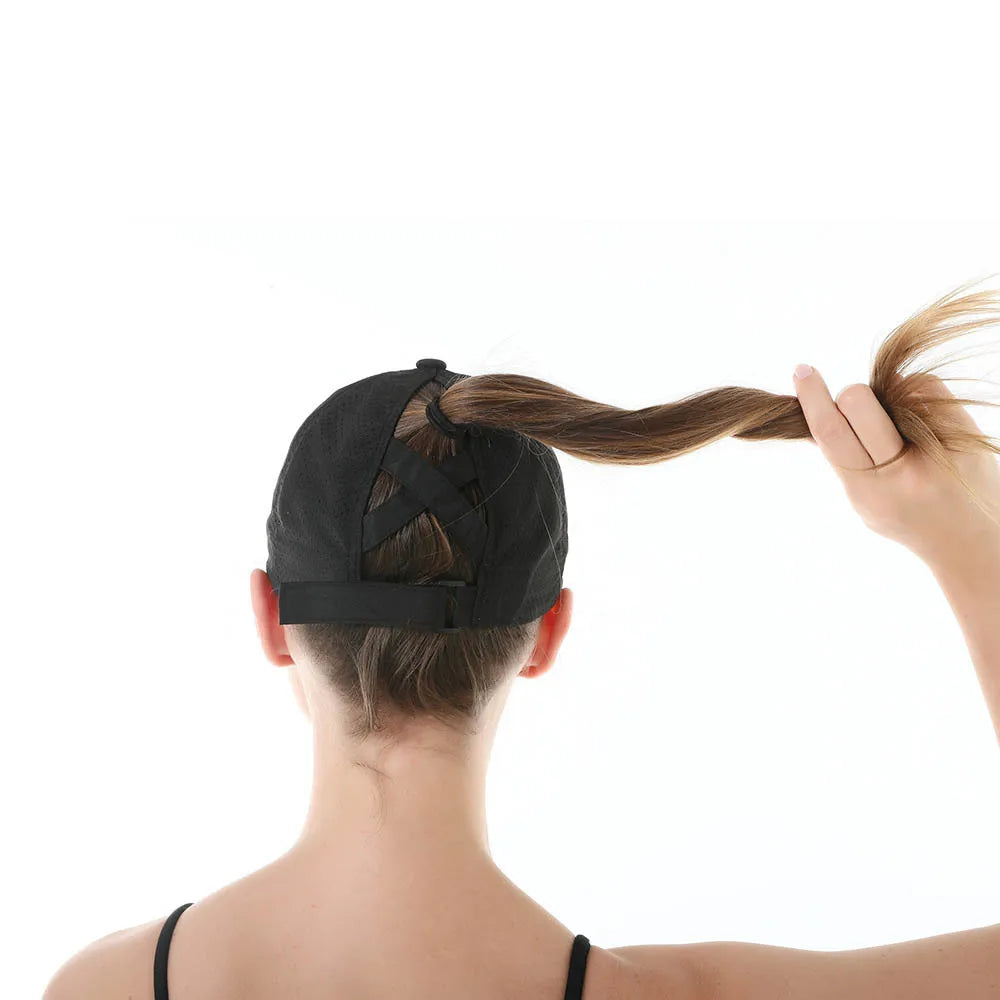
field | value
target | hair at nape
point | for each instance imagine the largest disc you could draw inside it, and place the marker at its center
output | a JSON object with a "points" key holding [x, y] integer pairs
{"points": [[386, 674]]}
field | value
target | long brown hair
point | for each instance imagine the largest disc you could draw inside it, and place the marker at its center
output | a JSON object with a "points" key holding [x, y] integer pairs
{"points": [[385, 672]]}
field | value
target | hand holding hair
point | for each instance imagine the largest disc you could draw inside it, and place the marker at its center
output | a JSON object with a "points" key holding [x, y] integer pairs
{"points": [[901, 491]]}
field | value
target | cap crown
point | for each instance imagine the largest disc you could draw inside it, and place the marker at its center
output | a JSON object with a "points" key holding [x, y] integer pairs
{"points": [[317, 530]]}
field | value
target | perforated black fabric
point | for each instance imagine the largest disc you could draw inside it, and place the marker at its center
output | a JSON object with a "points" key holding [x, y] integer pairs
{"points": [[315, 528]]}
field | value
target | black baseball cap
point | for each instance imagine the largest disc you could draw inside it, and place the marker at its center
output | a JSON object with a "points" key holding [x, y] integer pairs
{"points": [[318, 529]]}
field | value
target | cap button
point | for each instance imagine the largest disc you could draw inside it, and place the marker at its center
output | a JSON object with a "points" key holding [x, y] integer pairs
{"points": [[431, 363]]}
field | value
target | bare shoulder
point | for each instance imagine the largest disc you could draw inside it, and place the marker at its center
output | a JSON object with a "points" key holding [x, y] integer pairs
{"points": [[118, 964], [963, 965]]}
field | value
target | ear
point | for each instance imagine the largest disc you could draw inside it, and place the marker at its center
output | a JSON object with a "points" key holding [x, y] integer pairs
{"points": [[265, 609], [551, 632]]}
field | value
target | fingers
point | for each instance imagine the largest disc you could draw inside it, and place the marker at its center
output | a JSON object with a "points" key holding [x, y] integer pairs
{"points": [[872, 426], [829, 427]]}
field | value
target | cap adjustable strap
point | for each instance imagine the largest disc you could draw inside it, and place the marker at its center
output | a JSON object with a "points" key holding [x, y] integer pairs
{"points": [[383, 521], [376, 602], [439, 495]]}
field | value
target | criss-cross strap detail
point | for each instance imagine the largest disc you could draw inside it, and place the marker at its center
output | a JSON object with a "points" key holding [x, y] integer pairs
{"points": [[437, 493], [405, 505]]}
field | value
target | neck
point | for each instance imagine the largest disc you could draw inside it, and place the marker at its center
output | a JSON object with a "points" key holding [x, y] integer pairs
{"points": [[418, 806]]}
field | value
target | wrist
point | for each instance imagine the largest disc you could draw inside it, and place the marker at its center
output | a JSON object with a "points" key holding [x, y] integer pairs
{"points": [[974, 560]]}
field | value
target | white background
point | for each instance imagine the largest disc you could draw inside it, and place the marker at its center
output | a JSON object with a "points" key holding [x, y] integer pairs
{"points": [[764, 724]]}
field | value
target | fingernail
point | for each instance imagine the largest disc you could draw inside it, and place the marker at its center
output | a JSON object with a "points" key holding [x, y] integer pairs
{"points": [[803, 371]]}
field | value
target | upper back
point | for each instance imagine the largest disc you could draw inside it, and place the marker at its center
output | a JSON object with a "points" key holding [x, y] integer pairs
{"points": [[268, 938], [251, 945]]}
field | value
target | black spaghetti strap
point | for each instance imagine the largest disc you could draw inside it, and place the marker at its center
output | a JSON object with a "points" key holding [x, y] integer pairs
{"points": [[577, 968], [162, 952]]}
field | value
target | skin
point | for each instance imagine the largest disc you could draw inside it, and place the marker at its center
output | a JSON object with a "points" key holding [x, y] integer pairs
{"points": [[390, 889]]}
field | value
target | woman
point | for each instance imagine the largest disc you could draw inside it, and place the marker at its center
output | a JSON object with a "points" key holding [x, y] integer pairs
{"points": [[415, 551]]}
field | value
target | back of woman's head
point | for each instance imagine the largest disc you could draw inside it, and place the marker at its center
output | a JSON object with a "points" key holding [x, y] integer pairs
{"points": [[380, 671]]}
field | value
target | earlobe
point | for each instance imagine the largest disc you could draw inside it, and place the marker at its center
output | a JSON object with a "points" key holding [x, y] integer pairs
{"points": [[265, 610]]}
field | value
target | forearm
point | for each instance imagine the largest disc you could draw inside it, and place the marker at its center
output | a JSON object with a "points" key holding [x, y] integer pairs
{"points": [[971, 583]]}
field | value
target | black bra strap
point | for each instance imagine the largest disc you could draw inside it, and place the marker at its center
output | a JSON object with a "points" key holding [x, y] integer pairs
{"points": [[577, 968], [162, 952]]}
